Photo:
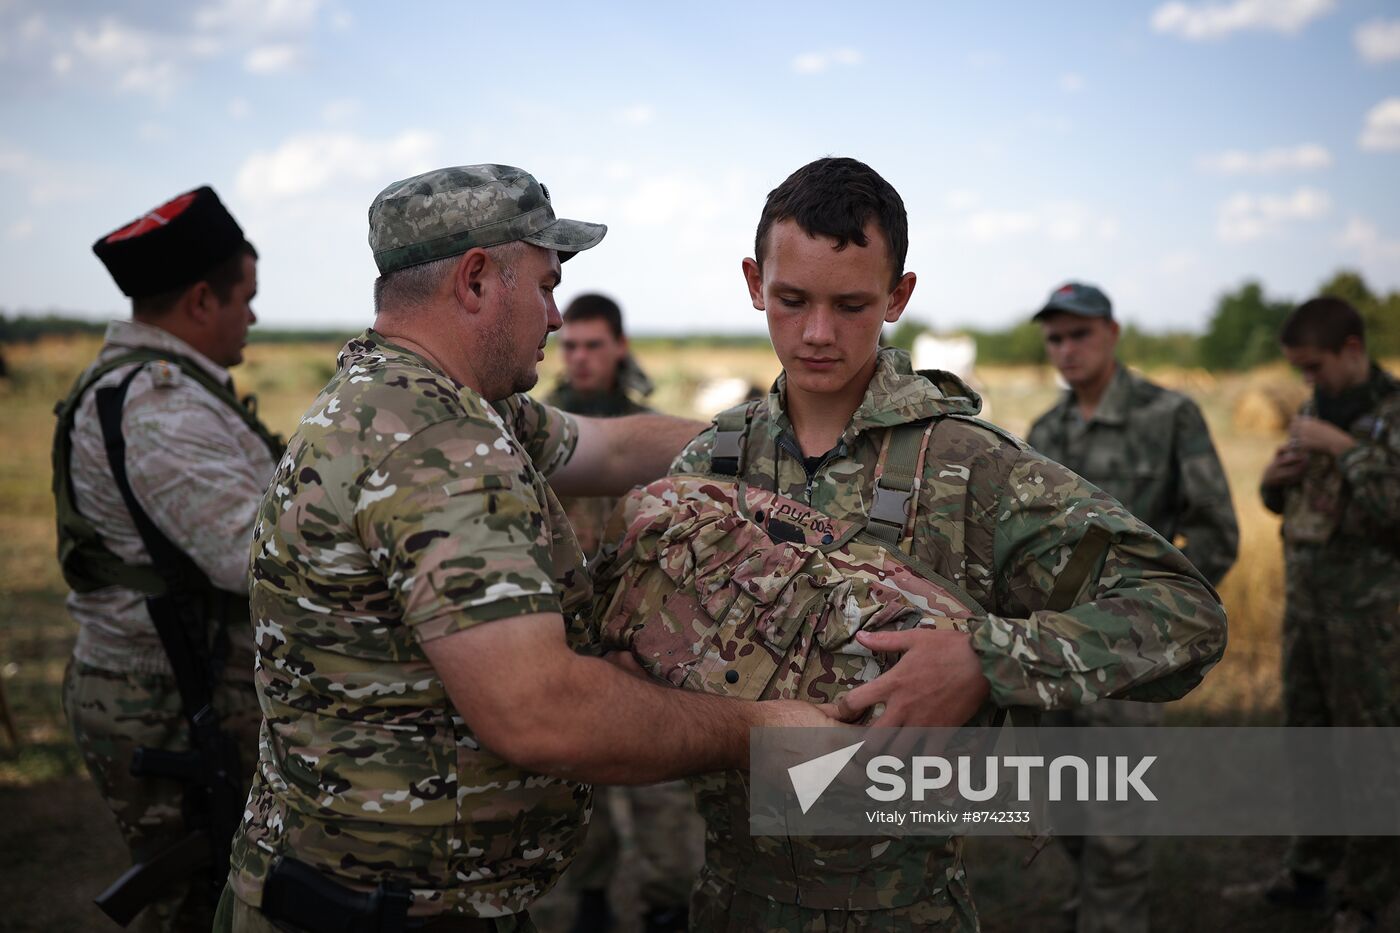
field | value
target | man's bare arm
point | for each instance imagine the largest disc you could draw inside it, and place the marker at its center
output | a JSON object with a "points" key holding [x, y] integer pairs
{"points": [[537, 704], [615, 454]]}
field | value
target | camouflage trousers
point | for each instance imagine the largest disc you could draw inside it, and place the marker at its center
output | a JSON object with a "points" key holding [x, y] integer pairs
{"points": [[666, 831], [111, 715], [236, 916], [717, 906], [1341, 667], [1113, 873]]}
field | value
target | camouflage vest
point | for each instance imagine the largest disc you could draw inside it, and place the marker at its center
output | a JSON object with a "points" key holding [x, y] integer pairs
{"points": [[723, 588], [86, 561]]}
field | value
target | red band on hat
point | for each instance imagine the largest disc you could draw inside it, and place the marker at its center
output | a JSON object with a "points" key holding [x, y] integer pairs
{"points": [[154, 219]]}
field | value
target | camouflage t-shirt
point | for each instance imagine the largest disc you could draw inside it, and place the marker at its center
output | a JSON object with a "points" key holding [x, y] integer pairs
{"points": [[407, 508]]}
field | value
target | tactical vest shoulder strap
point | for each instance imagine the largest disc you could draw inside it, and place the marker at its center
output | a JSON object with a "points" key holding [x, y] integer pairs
{"points": [[897, 483], [731, 439], [87, 563]]}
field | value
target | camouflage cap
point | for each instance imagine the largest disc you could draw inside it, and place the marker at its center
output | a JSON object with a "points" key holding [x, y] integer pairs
{"points": [[1077, 298], [451, 210]]}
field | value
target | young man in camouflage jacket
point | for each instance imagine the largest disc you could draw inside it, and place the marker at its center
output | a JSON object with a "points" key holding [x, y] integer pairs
{"points": [[992, 520]]}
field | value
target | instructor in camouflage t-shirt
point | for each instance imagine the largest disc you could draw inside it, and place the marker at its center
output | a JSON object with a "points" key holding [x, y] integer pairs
{"points": [[426, 723]]}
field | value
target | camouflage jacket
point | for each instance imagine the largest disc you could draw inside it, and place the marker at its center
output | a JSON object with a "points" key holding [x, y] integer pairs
{"points": [[405, 509], [1150, 449], [1351, 500], [196, 468], [588, 514]]}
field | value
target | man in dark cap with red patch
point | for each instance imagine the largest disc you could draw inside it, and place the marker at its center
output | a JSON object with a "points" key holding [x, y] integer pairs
{"points": [[158, 470]]}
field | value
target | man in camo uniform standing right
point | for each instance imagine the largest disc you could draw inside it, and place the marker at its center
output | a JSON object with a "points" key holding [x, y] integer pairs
{"points": [[1149, 448]]}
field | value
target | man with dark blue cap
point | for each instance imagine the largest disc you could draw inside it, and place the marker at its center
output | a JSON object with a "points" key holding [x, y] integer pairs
{"points": [[1149, 448]]}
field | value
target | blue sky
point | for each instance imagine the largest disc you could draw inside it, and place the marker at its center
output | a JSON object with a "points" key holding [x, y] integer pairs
{"points": [[1166, 151]]}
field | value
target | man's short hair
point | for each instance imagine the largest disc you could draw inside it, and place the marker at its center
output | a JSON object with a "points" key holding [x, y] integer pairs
{"points": [[1324, 323], [595, 307], [413, 285], [222, 278], [837, 197]]}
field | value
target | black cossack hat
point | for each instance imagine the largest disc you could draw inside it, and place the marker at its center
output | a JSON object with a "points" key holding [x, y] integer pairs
{"points": [[171, 246]]}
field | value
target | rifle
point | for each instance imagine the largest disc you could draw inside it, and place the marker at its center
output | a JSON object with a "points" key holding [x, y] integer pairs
{"points": [[211, 770]]}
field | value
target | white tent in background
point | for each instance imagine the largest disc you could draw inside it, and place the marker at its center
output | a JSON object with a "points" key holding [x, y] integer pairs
{"points": [[955, 354]]}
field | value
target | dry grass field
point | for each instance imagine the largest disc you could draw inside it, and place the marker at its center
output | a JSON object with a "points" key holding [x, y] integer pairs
{"points": [[57, 846]]}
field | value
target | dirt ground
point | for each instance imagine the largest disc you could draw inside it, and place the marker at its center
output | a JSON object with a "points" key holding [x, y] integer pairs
{"points": [[59, 848]]}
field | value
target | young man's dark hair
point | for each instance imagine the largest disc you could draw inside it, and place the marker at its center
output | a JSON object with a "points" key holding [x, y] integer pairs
{"points": [[1324, 323], [222, 278], [594, 307], [836, 198]]}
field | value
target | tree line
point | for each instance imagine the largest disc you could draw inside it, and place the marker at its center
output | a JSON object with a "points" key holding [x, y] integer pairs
{"points": [[1242, 333]]}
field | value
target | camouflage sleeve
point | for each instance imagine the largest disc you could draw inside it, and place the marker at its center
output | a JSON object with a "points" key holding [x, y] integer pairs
{"points": [[1207, 517], [1148, 627], [548, 435], [1372, 471], [455, 525], [695, 458]]}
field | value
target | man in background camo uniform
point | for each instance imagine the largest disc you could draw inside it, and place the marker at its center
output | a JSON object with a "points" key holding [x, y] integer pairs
{"points": [[1150, 449], [602, 379], [427, 727], [1336, 482], [197, 463]]}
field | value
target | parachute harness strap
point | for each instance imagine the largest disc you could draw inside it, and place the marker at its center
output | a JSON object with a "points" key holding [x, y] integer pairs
{"points": [[891, 515], [731, 436]]}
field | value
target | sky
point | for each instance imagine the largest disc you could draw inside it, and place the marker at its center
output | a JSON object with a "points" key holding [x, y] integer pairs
{"points": [[1165, 151]]}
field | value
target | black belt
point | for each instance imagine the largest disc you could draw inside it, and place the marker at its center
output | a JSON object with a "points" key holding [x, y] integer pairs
{"points": [[300, 896]]}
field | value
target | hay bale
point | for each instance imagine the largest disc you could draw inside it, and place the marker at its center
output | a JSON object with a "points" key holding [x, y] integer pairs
{"points": [[1267, 408]]}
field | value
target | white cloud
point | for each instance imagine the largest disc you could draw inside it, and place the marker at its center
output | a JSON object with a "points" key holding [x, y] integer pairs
{"points": [[1071, 82], [150, 48], [1382, 130], [811, 63], [1244, 217], [305, 164], [271, 59], [1058, 221], [1364, 237], [1201, 21], [48, 182], [258, 16], [1378, 41], [1299, 158], [636, 115], [21, 229], [239, 108]]}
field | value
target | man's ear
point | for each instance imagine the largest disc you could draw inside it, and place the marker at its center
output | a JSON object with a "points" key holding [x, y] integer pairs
{"points": [[753, 277], [899, 298], [469, 279], [199, 303]]}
